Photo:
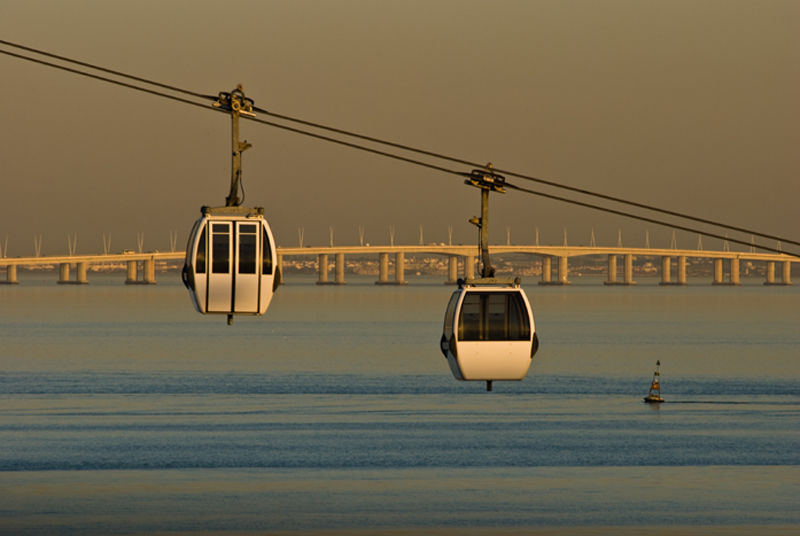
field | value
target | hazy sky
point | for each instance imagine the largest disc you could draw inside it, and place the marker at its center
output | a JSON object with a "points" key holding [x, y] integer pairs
{"points": [[691, 105]]}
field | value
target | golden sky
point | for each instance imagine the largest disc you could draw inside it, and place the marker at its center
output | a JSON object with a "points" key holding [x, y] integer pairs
{"points": [[690, 105]]}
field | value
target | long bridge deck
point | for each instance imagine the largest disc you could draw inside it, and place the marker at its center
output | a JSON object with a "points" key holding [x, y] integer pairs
{"points": [[467, 253]]}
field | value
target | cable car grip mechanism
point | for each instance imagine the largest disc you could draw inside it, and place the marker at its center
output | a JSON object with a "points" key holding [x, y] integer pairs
{"points": [[488, 181], [237, 104]]}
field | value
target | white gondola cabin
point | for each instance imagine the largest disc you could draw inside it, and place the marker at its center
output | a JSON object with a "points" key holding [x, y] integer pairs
{"points": [[230, 264], [489, 334]]}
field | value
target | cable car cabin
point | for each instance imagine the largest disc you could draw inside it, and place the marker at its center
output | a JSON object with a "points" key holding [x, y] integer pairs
{"points": [[489, 334], [230, 264]]}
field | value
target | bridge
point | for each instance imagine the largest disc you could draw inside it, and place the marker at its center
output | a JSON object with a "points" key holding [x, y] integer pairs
{"points": [[555, 263]]}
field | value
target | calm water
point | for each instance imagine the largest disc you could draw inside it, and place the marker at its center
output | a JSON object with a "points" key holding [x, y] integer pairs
{"points": [[124, 411]]}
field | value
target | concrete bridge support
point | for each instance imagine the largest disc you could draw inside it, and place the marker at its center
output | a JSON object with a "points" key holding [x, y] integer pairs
{"points": [[340, 269], [11, 275], [452, 270], [734, 268], [666, 278], [629, 270], [279, 267], [666, 267], [563, 271], [682, 270], [469, 267], [149, 271], [400, 268], [770, 273], [786, 274], [718, 272], [612, 270], [82, 266], [719, 275], [383, 269], [322, 267], [133, 273], [63, 274], [546, 271]]}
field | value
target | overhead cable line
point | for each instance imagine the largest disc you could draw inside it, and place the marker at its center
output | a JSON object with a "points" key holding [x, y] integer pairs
{"points": [[403, 147], [109, 80], [105, 70], [382, 153]]}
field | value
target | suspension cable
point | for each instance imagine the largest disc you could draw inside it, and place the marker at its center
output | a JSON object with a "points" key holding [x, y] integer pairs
{"points": [[110, 81], [105, 70]]}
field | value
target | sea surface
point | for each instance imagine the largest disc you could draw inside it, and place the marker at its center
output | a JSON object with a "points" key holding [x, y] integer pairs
{"points": [[123, 411]]}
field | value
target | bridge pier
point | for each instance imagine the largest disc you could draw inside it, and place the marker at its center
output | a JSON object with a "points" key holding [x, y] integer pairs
{"points": [[563, 272], [399, 269], [666, 277], [133, 273], [340, 269], [63, 274], [11, 275], [149, 271], [82, 266], [469, 267], [629, 269], [383, 269], [612, 270], [546, 271], [717, 272], [786, 274], [279, 268], [719, 276], [452, 270], [322, 261], [627, 272]]}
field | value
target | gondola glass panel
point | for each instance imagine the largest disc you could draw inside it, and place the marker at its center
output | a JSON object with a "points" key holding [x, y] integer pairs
{"points": [[247, 280], [220, 280]]}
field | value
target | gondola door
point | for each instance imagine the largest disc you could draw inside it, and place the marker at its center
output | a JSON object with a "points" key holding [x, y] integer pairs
{"points": [[247, 279], [220, 277]]}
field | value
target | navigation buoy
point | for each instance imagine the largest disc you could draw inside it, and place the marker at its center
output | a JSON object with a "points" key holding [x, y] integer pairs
{"points": [[654, 396]]}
